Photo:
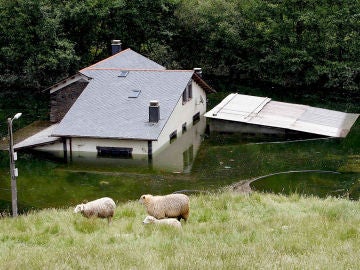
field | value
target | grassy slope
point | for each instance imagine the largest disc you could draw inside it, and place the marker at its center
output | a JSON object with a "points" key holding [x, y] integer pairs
{"points": [[225, 231]]}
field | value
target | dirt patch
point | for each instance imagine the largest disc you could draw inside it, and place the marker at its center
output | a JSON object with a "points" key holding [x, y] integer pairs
{"points": [[24, 133], [242, 187]]}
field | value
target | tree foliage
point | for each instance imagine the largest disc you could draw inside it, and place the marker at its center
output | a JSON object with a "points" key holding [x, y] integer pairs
{"points": [[292, 43], [34, 50], [308, 44]]}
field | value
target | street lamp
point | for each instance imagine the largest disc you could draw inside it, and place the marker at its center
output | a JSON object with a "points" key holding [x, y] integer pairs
{"points": [[13, 170]]}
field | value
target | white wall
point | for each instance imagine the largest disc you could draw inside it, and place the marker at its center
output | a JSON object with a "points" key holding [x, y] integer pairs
{"points": [[181, 114], [89, 145]]}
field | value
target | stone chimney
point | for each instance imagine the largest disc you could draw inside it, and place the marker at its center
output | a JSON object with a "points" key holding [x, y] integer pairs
{"points": [[154, 111], [115, 46]]}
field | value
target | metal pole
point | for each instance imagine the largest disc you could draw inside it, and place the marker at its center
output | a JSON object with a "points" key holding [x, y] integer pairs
{"points": [[12, 171]]}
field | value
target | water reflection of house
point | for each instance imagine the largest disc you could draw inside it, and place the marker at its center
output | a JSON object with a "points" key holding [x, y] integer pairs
{"points": [[124, 105]]}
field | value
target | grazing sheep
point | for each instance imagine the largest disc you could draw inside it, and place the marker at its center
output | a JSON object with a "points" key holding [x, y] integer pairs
{"points": [[102, 208], [167, 206], [166, 221]]}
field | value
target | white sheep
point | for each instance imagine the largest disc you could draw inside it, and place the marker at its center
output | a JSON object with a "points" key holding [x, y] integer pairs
{"points": [[167, 206], [102, 208], [166, 221]]}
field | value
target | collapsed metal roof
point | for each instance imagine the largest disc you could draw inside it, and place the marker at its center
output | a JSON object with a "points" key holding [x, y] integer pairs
{"points": [[265, 112]]}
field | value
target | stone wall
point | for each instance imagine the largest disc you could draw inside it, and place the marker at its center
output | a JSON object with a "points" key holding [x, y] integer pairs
{"points": [[62, 100]]}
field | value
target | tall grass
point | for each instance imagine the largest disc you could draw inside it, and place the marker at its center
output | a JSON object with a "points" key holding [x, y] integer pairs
{"points": [[225, 231]]}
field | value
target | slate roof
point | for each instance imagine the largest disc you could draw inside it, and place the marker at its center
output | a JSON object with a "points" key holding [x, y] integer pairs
{"points": [[126, 59], [41, 138], [104, 109], [265, 112]]}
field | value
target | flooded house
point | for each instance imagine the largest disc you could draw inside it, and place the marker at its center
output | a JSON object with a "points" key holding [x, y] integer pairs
{"points": [[123, 106], [252, 115]]}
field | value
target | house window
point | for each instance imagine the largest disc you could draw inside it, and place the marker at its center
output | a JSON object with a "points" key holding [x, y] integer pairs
{"points": [[173, 136], [123, 152], [134, 93], [187, 94], [196, 118], [184, 128], [123, 73], [189, 87]]}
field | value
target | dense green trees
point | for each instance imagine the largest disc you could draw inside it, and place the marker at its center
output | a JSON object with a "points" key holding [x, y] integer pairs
{"points": [[34, 49], [293, 43], [302, 44]]}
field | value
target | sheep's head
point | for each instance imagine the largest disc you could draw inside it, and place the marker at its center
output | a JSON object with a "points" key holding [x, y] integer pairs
{"points": [[79, 208], [144, 198], [149, 219]]}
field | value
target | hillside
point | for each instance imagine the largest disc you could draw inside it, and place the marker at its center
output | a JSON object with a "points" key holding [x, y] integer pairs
{"points": [[225, 231]]}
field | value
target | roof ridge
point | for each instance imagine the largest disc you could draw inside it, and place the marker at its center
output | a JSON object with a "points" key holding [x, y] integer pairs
{"points": [[140, 69], [105, 59]]}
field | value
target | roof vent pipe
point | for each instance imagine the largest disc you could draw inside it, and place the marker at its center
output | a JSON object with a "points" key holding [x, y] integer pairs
{"points": [[154, 111], [198, 71], [115, 46]]}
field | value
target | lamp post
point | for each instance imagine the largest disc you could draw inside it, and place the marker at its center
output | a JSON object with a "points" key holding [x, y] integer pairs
{"points": [[13, 170]]}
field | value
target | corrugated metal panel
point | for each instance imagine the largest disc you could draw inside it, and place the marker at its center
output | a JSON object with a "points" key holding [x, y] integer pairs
{"points": [[236, 106], [263, 111]]}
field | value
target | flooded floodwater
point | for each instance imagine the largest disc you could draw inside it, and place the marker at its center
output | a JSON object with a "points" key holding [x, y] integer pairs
{"points": [[194, 162], [319, 183]]}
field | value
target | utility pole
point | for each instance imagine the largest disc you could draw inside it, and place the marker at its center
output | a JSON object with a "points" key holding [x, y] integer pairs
{"points": [[13, 170]]}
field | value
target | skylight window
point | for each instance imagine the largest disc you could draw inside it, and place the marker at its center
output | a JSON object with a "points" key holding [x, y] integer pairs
{"points": [[134, 93], [123, 73]]}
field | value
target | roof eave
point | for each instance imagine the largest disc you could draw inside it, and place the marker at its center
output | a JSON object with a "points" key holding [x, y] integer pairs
{"points": [[203, 84], [61, 84], [106, 138]]}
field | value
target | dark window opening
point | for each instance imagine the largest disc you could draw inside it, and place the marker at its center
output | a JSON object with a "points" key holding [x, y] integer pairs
{"points": [[189, 87], [196, 118], [187, 94], [121, 152], [173, 136], [184, 99], [184, 128]]}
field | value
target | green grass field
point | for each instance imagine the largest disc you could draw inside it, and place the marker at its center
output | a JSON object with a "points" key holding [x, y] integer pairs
{"points": [[226, 230]]}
